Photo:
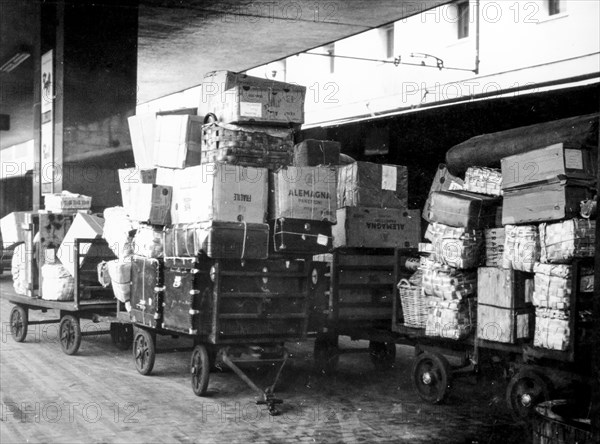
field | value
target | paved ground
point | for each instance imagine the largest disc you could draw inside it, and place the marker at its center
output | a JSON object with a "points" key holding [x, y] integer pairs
{"points": [[97, 396]]}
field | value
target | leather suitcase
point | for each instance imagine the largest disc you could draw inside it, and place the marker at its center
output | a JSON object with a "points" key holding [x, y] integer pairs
{"points": [[300, 236], [222, 240], [146, 291], [187, 297], [463, 209]]}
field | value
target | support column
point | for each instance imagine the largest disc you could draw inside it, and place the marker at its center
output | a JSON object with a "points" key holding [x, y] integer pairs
{"points": [[95, 83]]}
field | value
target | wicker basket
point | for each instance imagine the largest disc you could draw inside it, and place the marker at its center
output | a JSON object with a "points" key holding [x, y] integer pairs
{"points": [[414, 304]]}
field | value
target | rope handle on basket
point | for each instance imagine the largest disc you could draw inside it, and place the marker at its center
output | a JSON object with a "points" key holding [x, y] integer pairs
{"points": [[404, 283]]}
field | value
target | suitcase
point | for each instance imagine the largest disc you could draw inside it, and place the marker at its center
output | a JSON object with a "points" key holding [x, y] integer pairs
{"points": [[313, 152], [146, 291], [187, 296], [300, 236], [223, 240], [463, 209]]}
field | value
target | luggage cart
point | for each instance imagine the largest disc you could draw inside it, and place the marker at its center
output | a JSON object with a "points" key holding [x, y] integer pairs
{"points": [[91, 301], [532, 372], [236, 311], [352, 291]]}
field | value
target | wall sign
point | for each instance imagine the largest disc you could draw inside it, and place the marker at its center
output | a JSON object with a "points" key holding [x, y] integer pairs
{"points": [[47, 130]]}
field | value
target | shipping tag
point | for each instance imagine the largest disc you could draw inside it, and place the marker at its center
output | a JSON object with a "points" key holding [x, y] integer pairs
{"points": [[322, 240], [573, 159], [251, 109], [389, 177]]}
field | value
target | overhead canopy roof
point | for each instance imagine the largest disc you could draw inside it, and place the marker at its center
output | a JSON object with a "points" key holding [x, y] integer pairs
{"points": [[180, 41]]}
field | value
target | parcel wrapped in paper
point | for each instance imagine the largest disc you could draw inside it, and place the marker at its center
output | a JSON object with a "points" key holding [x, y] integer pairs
{"points": [[450, 319], [521, 247], [552, 286], [552, 329], [448, 283], [457, 247], [563, 241], [484, 181]]}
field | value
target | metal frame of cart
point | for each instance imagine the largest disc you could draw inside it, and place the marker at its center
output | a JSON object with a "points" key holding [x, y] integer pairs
{"points": [[70, 312], [240, 311]]}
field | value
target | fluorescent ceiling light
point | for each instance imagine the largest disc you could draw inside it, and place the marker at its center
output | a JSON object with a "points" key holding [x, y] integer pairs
{"points": [[14, 61]]}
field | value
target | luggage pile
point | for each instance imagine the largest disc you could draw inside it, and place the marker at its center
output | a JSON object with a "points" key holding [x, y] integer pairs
{"points": [[64, 217], [522, 222], [234, 186]]}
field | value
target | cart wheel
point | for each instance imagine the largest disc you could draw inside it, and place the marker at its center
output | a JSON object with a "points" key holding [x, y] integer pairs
{"points": [[326, 354], [383, 354], [70, 334], [144, 351], [431, 376], [19, 320], [200, 369], [525, 390], [121, 335]]}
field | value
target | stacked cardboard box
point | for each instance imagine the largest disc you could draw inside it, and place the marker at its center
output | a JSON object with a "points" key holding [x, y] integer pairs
{"points": [[546, 184], [372, 201], [302, 208]]}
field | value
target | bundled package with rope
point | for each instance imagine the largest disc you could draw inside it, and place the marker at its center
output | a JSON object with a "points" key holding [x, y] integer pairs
{"points": [[494, 246], [552, 329], [483, 180], [448, 283], [148, 241], [521, 247], [563, 241], [552, 286], [450, 319], [457, 247], [253, 146], [57, 283], [367, 184]]}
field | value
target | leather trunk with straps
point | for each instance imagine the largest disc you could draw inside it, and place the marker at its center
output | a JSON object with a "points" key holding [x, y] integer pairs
{"points": [[223, 240]]}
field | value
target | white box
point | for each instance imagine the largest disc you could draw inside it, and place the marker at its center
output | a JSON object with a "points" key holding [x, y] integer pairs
{"points": [[178, 141]]}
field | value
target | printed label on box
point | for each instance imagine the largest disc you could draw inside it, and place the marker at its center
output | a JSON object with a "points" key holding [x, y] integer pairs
{"points": [[250, 109], [389, 177], [573, 159]]}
